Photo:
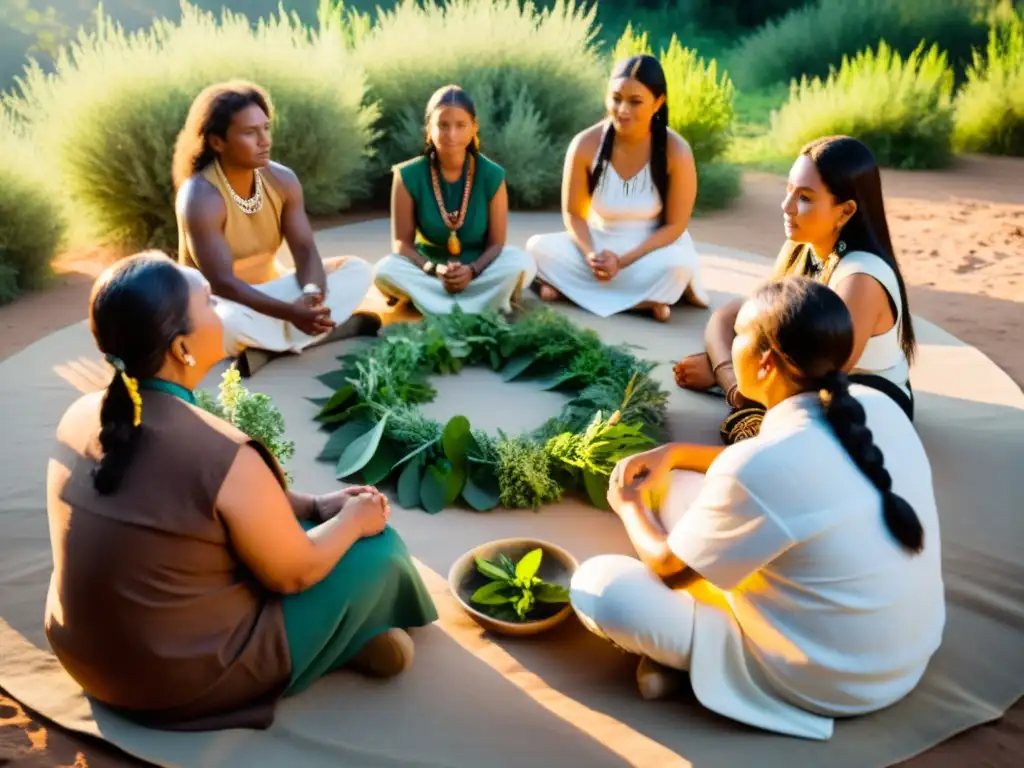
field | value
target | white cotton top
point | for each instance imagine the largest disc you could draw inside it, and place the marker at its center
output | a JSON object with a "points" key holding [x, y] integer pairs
{"points": [[829, 612], [883, 354]]}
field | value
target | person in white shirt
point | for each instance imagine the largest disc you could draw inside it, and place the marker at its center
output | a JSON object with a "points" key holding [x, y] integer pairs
{"points": [[795, 575]]}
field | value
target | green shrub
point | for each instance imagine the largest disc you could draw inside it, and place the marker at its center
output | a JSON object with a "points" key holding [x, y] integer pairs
{"points": [[810, 40], [901, 108], [990, 107], [116, 102], [31, 222], [536, 78], [707, 14], [700, 109]]}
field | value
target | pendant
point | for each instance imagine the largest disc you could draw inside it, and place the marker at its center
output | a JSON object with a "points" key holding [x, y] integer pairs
{"points": [[454, 246]]}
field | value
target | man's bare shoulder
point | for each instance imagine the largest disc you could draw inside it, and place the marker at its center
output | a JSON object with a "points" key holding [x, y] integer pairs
{"points": [[283, 178], [198, 201]]}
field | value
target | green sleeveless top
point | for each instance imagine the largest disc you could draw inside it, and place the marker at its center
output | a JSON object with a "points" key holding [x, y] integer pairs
{"points": [[431, 231]]}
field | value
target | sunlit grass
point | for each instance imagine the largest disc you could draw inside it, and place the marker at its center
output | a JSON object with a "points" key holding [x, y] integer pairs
{"points": [[990, 107], [31, 223], [812, 39], [900, 107]]}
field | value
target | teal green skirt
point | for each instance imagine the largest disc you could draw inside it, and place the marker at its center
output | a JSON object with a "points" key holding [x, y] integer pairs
{"points": [[373, 588]]}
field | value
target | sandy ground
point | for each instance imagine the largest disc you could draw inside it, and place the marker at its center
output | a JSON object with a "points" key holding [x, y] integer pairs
{"points": [[959, 235]]}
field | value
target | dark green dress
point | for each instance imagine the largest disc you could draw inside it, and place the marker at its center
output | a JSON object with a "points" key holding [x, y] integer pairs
{"points": [[431, 230], [373, 588]]}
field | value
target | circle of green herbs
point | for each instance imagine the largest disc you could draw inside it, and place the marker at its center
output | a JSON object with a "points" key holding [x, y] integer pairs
{"points": [[378, 431]]}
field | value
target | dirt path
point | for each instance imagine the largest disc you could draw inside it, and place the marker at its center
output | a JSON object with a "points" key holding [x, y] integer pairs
{"points": [[960, 238]]}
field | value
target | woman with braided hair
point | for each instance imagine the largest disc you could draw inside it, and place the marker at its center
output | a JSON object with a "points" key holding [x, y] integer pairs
{"points": [[628, 189], [449, 219], [796, 575], [192, 588]]}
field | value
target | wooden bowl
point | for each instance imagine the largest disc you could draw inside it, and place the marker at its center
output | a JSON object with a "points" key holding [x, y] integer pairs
{"points": [[556, 567]]}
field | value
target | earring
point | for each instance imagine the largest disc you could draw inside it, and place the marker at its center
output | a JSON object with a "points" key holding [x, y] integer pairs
{"points": [[841, 247], [190, 361], [761, 374]]}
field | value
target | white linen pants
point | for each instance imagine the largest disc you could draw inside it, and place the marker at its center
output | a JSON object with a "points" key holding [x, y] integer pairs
{"points": [[495, 289], [619, 598], [660, 277], [348, 281]]}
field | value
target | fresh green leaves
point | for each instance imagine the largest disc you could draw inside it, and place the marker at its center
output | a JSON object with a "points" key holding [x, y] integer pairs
{"points": [[255, 414], [493, 571], [409, 483], [433, 490], [515, 585], [377, 429], [358, 453], [457, 441], [527, 568]]}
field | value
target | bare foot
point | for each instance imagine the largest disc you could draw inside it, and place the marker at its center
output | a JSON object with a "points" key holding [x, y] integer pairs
{"points": [[655, 681], [385, 655], [661, 312], [694, 372], [548, 293]]}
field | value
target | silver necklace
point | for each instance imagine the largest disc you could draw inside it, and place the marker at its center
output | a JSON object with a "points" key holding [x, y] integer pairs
{"points": [[249, 205]]}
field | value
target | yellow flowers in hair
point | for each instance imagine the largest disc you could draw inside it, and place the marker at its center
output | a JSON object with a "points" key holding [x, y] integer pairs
{"points": [[133, 392]]}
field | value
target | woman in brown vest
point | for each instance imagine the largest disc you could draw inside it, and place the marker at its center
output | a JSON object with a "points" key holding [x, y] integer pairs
{"points": [[191, 589]]}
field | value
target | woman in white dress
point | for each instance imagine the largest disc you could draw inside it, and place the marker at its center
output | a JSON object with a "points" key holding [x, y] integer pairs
{"points": [[449, 217], [628, 189], [817, 541], [837, 234]]}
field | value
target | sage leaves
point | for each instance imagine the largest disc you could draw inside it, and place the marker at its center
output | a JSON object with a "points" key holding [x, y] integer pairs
{"points": [[378, 433], [513, 589]]}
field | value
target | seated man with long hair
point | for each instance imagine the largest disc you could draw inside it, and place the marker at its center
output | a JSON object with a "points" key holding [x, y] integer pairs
{"points": [[235, 208]]}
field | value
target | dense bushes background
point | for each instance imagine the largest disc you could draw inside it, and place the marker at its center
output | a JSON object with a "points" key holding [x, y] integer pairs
{"points": [[900, 107], [990, 108], [536, 78], [811, 39], [31, 224], [88, 138]]}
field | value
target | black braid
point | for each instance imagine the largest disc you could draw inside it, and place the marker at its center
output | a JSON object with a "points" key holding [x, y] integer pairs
{"points": [[659, 155], [137, 309], [118, 434], [604, 156], [849, 423]]}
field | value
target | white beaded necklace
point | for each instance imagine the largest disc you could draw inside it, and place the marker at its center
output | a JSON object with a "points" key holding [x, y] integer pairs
{"points": [[249, 205]]}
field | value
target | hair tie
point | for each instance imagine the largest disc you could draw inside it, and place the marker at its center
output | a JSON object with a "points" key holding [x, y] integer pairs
{"points": [[832, 381], [131, 384]]}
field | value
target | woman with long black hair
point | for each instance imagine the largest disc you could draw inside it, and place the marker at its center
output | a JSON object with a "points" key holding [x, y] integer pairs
{"points": [[820, 536], [449, 218], [628, 190], [837, 234]]}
